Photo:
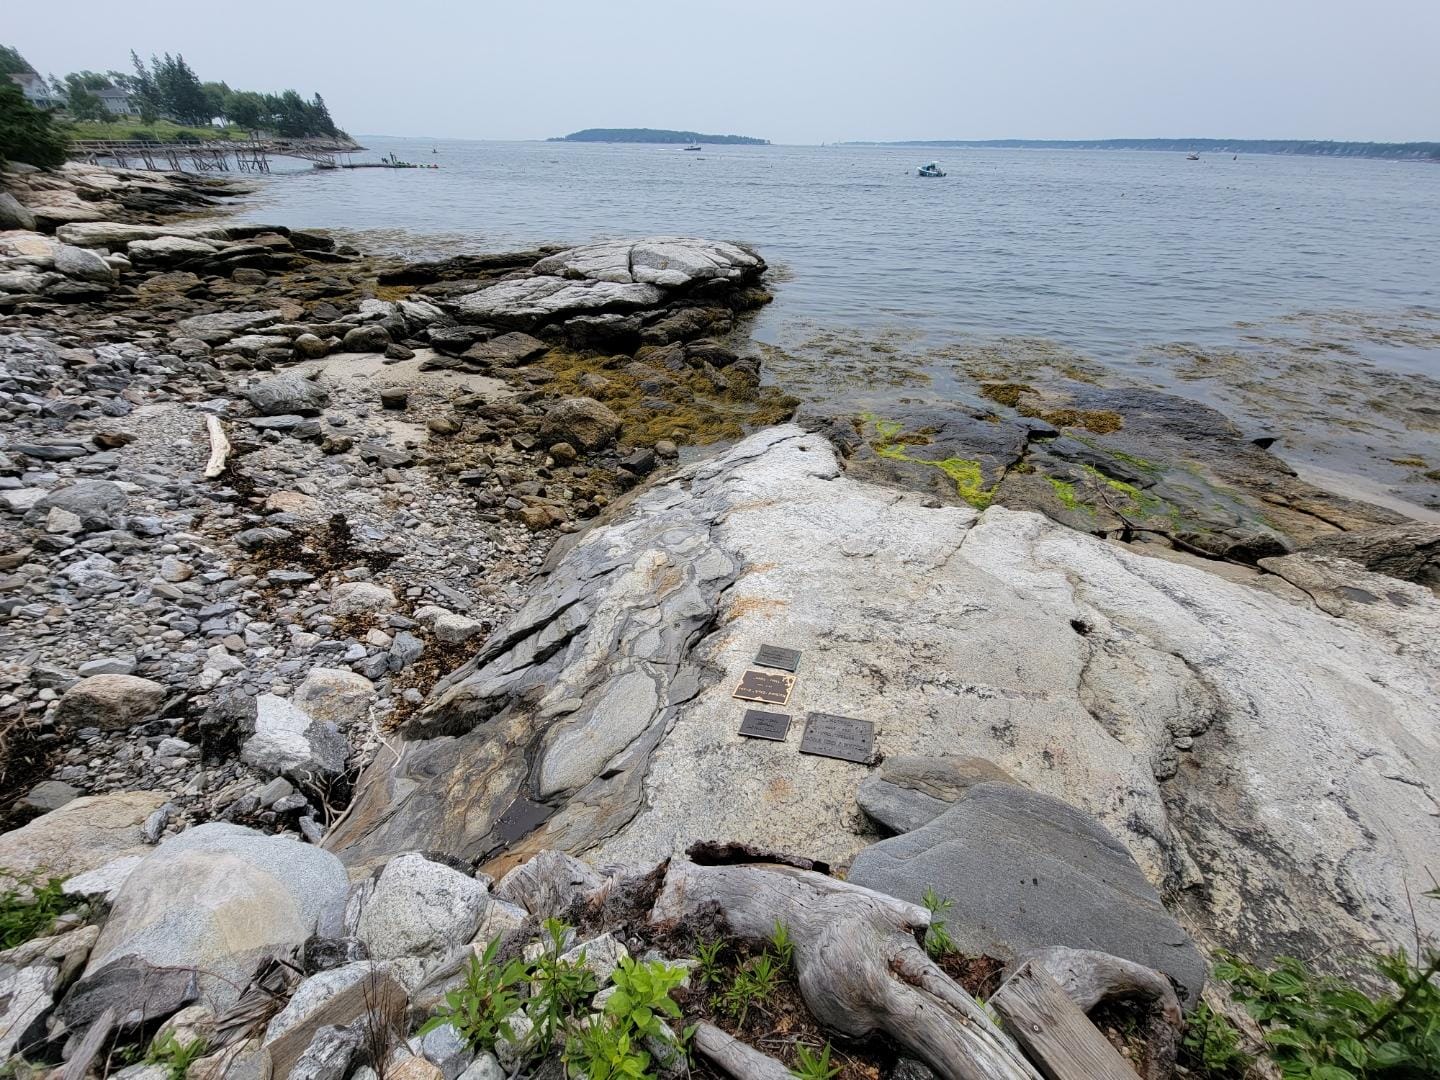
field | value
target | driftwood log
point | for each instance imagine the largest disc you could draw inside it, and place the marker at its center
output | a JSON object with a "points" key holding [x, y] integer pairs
{"points": [[1091, 978], [735, 1057], [219, 447], [1054, 1031], [857, 962]]}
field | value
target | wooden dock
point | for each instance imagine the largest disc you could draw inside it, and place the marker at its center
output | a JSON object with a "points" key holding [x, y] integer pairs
{"points": [[215, 155]]}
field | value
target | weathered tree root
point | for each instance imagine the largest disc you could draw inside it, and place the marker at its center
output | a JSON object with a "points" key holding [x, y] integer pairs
{"points": [[1092, 978], [858, 965]]}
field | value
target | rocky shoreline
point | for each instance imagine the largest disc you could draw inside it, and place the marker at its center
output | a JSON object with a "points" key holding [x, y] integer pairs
{"points": [[346, 587]]}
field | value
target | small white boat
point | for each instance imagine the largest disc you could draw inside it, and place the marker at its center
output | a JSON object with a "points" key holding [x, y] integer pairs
{"points": [[930, 169], [1192, 156], [694, 146]]}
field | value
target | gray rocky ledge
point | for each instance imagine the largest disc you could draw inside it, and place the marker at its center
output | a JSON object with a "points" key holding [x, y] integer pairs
{"points": [[1238, 740]]}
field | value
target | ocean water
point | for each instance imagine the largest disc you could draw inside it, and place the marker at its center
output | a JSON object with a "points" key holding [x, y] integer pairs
{"points": [[1300, 295]]}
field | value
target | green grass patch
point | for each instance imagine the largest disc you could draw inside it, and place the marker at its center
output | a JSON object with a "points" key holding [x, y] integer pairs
{"points": [[160, 131], [29, 907], [1065, 492]]}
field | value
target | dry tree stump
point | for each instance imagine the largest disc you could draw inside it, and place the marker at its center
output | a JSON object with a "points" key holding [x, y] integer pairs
{"points": [[858, 965]]}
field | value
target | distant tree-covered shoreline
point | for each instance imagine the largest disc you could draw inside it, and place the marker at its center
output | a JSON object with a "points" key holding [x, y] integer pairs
{"points": [[656, 135], [1412, 151]]}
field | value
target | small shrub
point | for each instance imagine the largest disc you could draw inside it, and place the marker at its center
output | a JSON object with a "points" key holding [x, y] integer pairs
{"points": [[610, 1047], [937, 938], [481, 1009], [812, 1066], [783, 944], [605, 1052], [1211, 1046], [175, 1056], [558, 987], [29, 907], [708, 967], [1320, 1027], [753, 983]]}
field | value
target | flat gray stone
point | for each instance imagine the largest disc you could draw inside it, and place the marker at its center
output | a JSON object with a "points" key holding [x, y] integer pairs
{"points": [[290, 742], [912, 789], [1026, 870]]}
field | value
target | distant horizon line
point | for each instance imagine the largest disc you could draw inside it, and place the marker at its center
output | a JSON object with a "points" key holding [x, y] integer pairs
{"points": [[1200, 140]]}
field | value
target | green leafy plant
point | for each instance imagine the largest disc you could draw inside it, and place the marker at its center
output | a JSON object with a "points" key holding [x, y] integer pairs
{"points": [[752, 984], [175, 1056], [1320, 1027], [1211, 1046], [937, 938], [635, 1012], [783, 944], [813, 1066], [708, 967], [480, 1010], [29, 907], [29, 134], [603, 1051], [557, 987]]}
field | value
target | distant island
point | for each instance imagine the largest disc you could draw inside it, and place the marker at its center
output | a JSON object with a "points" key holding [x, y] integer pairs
{"points": [[655, 135], [1411, 151]]}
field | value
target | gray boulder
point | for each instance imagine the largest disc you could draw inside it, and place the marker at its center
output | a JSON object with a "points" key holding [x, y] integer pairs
{"points": [[372, 338], [82, 835], [197, 918], [507, 350], [110, 702], [169, 249], [668, 261], [14, 215], [912, 789], [220, 325], [582, 422], [335, 695], [94, 502], [1025, 871], [75, 262], [1410, 552], [290, 393], [290, 742], [112, 234], [420, 908], [531, 301], [336, 998]]}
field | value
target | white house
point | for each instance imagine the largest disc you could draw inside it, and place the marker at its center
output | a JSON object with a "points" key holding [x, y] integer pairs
{"points": [[37, 91]]}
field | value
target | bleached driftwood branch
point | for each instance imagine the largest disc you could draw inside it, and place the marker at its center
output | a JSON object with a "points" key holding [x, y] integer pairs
{"points": [[858, 965], [219, 447]]}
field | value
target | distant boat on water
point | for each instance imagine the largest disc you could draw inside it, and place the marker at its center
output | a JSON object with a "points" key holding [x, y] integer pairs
{"points": [[694, 146], [931, 168], [1192, 156]]}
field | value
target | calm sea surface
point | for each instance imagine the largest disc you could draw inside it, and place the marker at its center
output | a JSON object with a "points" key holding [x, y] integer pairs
{"points": [[1292, 269]]}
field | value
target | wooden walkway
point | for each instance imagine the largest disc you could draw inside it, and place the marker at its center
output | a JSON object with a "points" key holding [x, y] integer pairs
{"points": [[251, 155]]}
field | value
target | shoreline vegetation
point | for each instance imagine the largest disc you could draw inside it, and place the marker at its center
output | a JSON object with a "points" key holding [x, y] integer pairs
{"points": [[1409, 151], [656, 135]]}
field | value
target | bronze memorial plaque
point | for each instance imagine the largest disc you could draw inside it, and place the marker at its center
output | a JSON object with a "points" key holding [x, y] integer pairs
{"points": [[776, 657], [766, 686], [839, 737], [765, 725]]}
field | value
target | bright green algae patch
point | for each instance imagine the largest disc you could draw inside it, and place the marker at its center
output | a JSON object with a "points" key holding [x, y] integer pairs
{"points": [[891, 442]]}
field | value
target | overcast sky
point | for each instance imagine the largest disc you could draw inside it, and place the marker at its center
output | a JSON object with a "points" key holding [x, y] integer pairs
{"points": [[800, 71]]}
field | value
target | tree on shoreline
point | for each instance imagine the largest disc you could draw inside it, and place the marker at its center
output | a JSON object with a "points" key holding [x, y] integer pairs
{"points": [[28, 134]]}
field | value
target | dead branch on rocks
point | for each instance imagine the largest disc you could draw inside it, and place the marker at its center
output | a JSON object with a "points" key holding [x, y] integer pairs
{"points": [[219, 447], [734, 1057], [858, 965]]}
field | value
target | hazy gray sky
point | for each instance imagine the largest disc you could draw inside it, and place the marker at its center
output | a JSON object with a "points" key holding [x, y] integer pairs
{"points": [[795, 71]]}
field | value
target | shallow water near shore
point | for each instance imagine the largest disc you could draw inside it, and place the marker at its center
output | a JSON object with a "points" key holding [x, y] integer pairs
{"points": [[1299, 295]]}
